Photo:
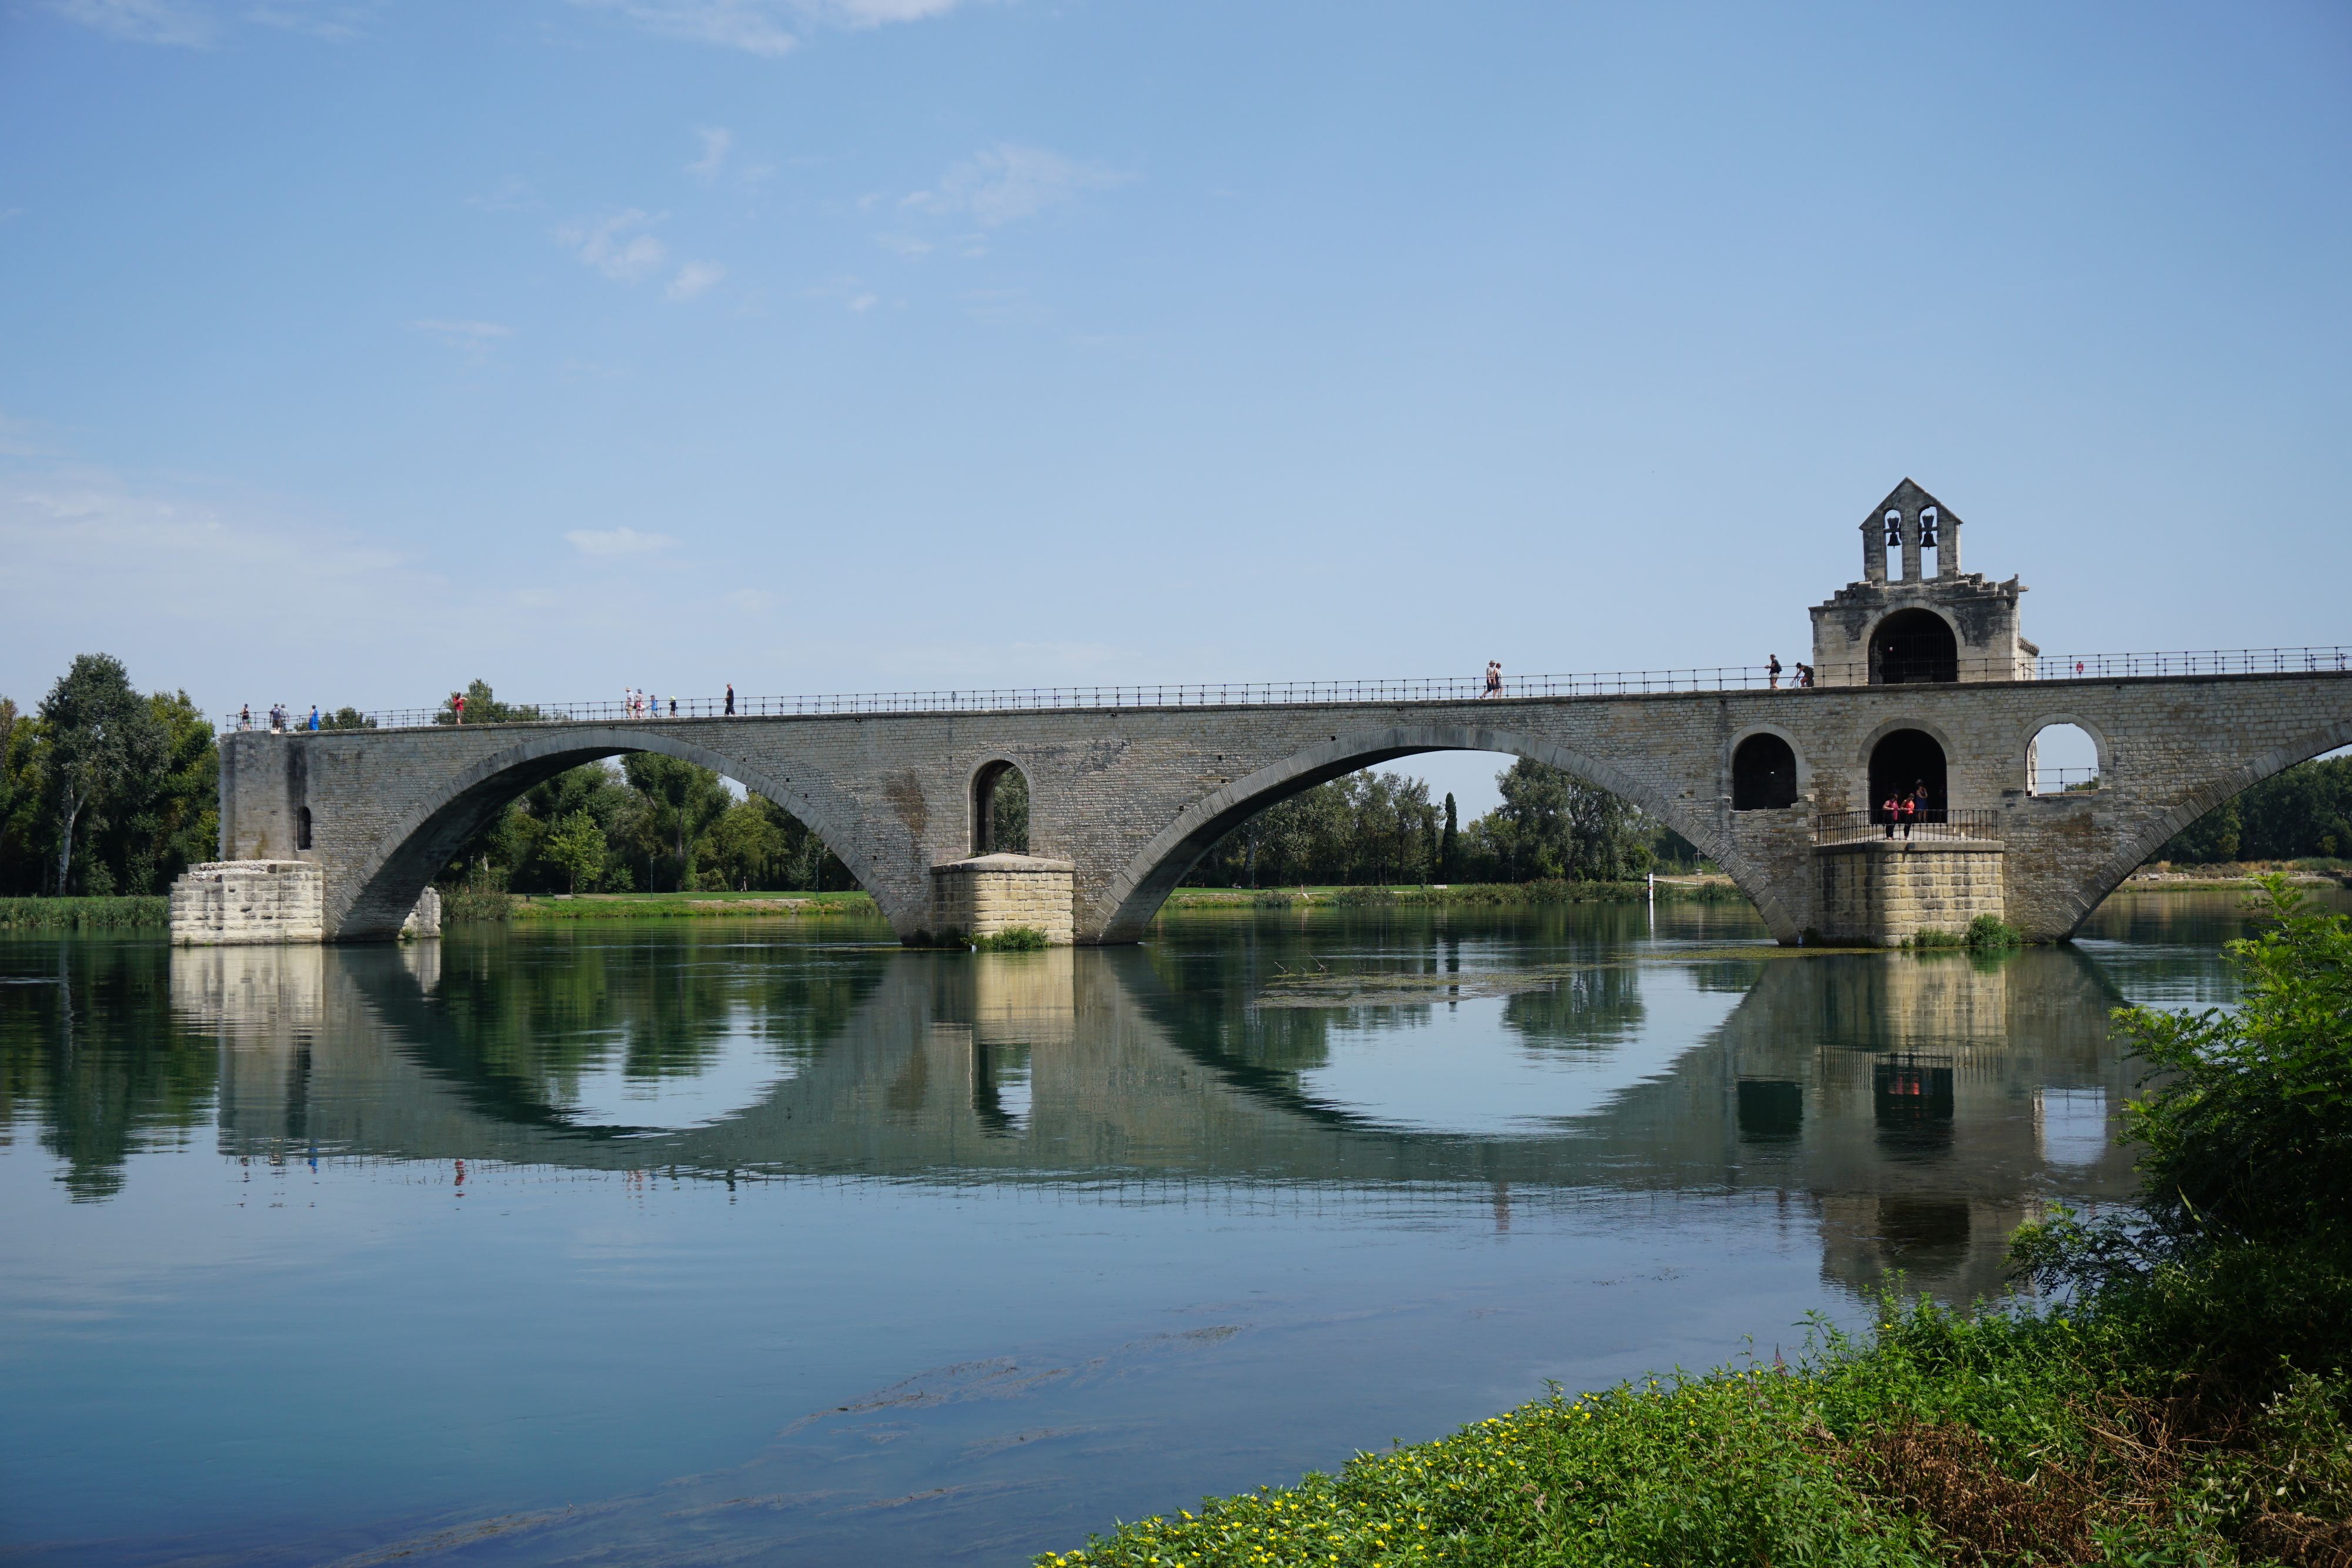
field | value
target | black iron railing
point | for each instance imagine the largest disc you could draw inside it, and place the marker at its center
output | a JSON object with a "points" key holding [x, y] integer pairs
{"points": [[1620, 682], [1929, 822]]}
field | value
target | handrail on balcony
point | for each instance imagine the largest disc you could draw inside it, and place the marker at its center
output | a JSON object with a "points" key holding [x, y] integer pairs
{"points": [[1932, 822]]}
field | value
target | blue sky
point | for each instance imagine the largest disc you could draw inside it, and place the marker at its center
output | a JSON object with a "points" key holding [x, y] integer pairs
{"points": [[348, 351]]}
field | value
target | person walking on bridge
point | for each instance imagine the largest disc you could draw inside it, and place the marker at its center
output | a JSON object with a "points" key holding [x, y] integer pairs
{"points": [[1772, 673], [731, 699], [1493, 679]]}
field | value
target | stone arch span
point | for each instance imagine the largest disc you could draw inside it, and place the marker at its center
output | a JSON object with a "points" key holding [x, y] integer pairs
{"points": [[1127, 904], [2193, 802], [374, 899]]}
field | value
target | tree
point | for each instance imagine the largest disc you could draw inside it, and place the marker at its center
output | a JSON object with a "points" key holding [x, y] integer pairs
{"points": [[21, 793], [1449, 849], [577, 844], [1554, 824], [481, 707], [1008, 814], [105, 747], [686, 801]]}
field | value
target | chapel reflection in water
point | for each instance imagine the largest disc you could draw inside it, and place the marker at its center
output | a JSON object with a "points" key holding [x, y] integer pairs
{"points": [[1914, 1109]]}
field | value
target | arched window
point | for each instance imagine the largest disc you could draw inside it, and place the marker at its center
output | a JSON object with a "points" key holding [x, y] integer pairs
{"points": [[1905, 761], [1000, 811], [2060, 759], [1913, 646], [1763, 774], [1929, 518], [1894, 529]]}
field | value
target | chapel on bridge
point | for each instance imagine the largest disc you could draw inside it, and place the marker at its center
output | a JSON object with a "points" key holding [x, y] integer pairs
{"points": [[1951, 626]]}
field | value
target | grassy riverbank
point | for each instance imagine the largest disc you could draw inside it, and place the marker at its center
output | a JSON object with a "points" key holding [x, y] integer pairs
{"points": [[1701, 889], [83, 913], [470, 906], [2184, 1401]]}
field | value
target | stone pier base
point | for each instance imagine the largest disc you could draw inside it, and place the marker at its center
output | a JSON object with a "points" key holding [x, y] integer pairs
{"points": [[982, 896], [234, 904], [1880, 891]]}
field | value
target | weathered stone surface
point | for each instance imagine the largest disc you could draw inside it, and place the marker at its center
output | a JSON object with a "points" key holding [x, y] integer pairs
{"points": [[237, 903], [1884, 891], [990, 893], [1131, 797]]}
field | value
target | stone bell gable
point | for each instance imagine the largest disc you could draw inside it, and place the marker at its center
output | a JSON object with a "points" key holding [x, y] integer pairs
{"points": [[1914, 628]]}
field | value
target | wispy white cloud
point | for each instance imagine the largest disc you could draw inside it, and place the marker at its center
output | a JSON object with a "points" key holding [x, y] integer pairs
{"points": [[614, 247], [752, 25], [25, 438], [144, 21], [95, 561], [1006, 183], [695, 278], [907, 245], [509, 195], [618, 541], [769, 28], [330, 19], [472, 338], [716, 142]]}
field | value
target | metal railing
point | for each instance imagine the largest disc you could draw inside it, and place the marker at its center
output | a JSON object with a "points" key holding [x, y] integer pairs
{"points": [[2062, 780], [2194, 661], [1441, 689], [1934, 822]]}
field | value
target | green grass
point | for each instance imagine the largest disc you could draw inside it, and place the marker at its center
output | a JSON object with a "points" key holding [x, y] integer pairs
{"points": [[84, 913], [2011, 1437], [1502, 893], [2185, 1404], [462, 904]]}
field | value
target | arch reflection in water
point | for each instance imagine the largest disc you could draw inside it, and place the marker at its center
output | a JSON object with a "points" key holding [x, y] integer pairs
{"points": [[1915, 1107]]}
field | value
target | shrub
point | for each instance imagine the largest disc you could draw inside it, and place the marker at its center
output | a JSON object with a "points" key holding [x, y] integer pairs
{"points": [[1992, 931], [1013, 939], [476, 903]]}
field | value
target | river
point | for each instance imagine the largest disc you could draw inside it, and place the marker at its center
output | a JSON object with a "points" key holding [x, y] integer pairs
{"points": [[703, 1241]]}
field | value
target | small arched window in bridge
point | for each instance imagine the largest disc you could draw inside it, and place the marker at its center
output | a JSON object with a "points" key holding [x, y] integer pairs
{"points": [[1763, 774]]}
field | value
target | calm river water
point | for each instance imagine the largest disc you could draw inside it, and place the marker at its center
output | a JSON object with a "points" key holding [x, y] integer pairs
{"points": [[713, 1241]]}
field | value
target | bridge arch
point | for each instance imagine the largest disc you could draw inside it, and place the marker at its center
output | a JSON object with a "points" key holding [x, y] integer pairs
{"points": [[2193, 803], [408, 852], [1128, 903]]}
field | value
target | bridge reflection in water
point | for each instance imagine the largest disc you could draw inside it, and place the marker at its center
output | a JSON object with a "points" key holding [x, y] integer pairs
{"points": [[1914, 1109]]}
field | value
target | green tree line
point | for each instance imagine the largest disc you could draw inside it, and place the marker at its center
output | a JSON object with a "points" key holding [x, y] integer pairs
{"points": [[104, 789], [2302, 813], [1373, 828]]}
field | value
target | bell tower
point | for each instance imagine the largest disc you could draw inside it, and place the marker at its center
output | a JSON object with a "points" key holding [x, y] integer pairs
{"points": [[1953, 626]]}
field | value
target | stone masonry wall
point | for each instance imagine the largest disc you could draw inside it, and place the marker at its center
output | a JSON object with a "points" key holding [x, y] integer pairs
{"points": [[1881, 892], [237, 903], [1131, 796], [990, 893]]}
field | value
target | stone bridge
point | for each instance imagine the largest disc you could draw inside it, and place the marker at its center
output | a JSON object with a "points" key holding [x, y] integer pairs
{"points": [[1921, 679], [1129, 799]]}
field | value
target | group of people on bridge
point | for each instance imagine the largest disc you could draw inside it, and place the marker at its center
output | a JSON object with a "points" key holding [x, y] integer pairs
{"points": [[1906, 809], [279, 716]]}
